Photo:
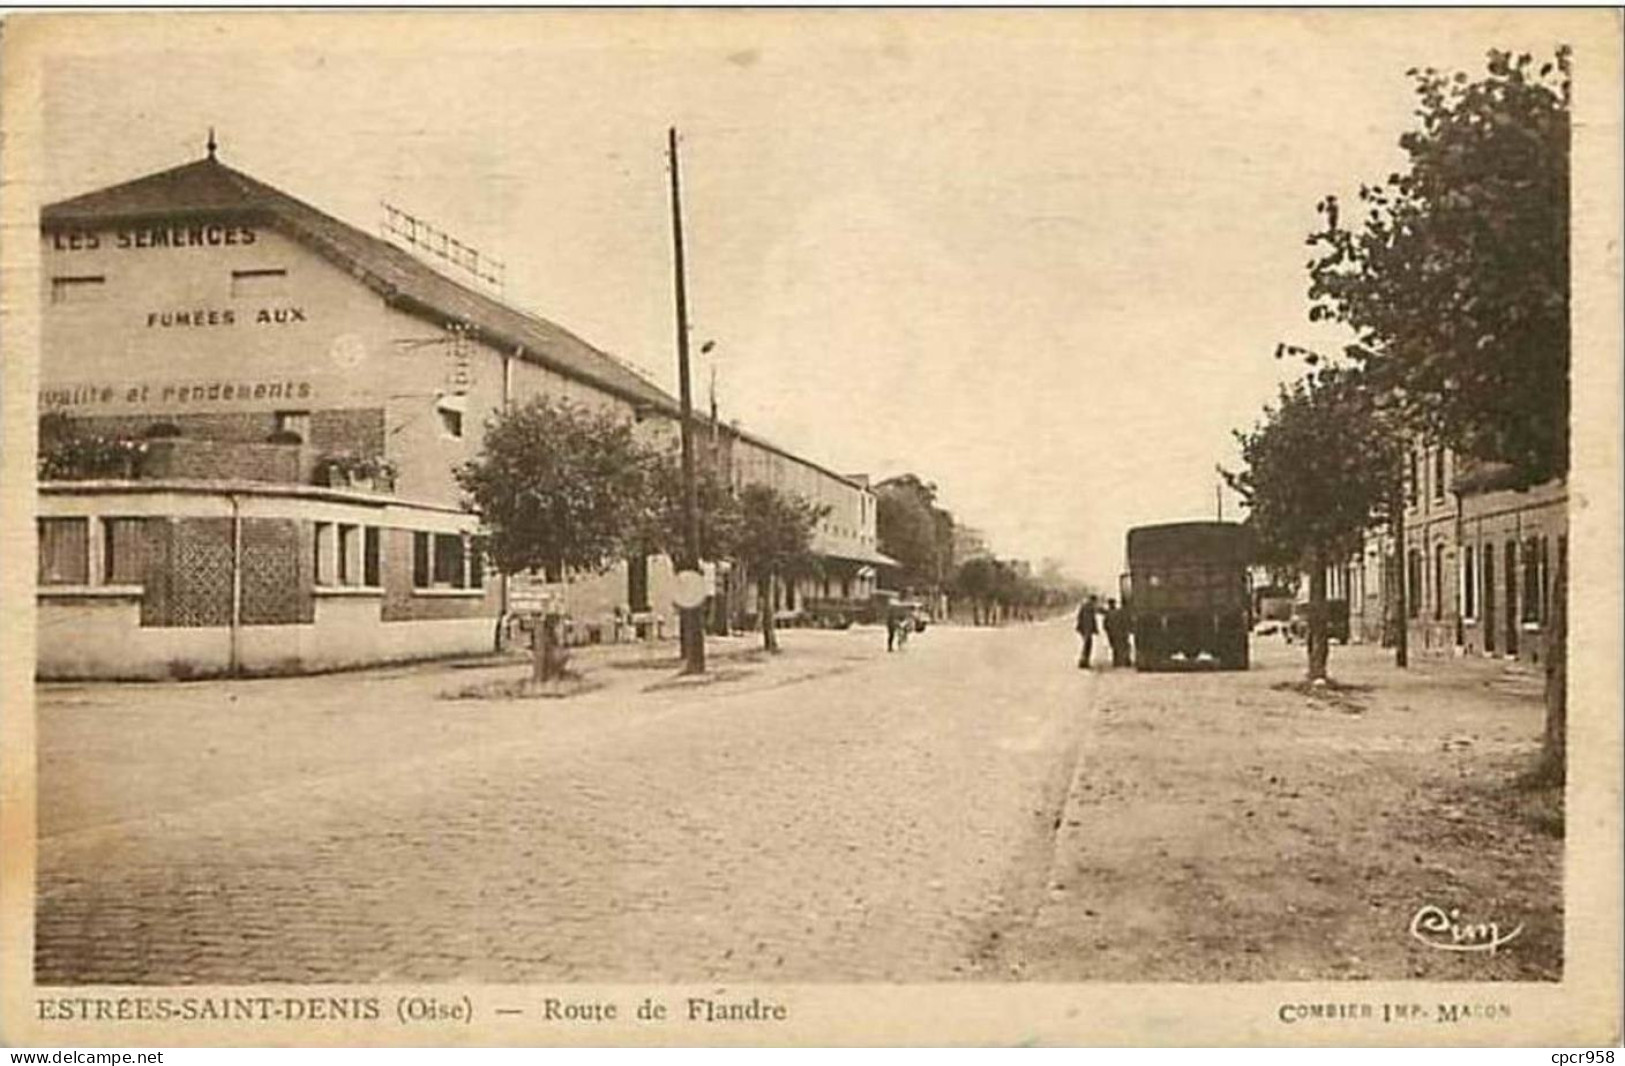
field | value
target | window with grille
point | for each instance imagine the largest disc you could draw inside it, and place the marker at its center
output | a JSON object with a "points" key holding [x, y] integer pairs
{"points": [[64, 551]]}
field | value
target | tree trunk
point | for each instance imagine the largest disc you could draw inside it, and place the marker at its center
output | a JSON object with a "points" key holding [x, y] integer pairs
{"points": [[1554, 749], [1319, 644], [548, 658], [770, 635]]}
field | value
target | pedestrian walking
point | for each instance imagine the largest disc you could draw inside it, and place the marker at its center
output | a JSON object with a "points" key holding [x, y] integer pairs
{"points": [[1087, 628], [898, 623], [1117, 633]]}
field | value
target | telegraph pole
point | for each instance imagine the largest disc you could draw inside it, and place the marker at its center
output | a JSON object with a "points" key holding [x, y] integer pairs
{"points": [[690, 618]]}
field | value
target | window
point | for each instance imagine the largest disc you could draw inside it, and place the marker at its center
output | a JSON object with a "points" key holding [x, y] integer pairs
{"points": [[420, 561], [1469, 584], [1411, 479], [322, 552], [1413, 583], [371, 545], [1489, 597], [269, 281], [124, 551], [637, 583], [64, 551], [1438, 473], [1438, 581], [447, 561], [349, 544], [1531, 580], [1545, 579], [296, 423], [78, 289], [451, 422]]}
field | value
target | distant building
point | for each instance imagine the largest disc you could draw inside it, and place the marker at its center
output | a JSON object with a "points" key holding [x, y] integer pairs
{"points": [[303, 391]]}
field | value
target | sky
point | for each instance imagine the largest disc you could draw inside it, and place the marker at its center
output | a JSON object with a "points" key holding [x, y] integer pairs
{"points": [[1040, 259]]}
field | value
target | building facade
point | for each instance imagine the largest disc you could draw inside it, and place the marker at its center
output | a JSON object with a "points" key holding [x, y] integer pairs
{"points": [[1479, 562], [292, 396]]}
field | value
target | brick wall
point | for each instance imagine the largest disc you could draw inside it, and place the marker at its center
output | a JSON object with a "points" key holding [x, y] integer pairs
{"points": [[353, 431], [222, 460]]}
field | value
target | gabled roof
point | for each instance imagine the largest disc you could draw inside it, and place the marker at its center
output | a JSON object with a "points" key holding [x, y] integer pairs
{"points": [[208, 187]]}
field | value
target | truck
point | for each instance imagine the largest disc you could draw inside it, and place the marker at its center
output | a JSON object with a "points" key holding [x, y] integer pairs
{"points": [[1188, 594]]}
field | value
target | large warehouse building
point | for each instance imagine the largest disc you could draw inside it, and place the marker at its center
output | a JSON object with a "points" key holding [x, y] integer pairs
{"points": [[292, 395]]}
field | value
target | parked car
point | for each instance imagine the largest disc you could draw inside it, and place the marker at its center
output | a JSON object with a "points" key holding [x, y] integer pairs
{"points": [[917, 612]]}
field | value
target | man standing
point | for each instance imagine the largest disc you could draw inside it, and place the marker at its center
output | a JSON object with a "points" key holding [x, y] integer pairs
{"points": [[1086, 630], [1117, 633]]}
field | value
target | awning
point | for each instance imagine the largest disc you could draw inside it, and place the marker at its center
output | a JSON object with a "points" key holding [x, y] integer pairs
{"points": [[864, 557]]}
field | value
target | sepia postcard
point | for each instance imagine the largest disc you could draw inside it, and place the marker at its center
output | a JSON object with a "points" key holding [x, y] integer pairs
{"points": [[847, 526]]}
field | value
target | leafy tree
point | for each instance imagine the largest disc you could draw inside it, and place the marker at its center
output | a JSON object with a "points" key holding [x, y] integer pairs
{"points": [[910, 528], [560, 488], [1456, 282], [907, 531], [978, 580], [774, 542], [716, 504], [1317, 472]]}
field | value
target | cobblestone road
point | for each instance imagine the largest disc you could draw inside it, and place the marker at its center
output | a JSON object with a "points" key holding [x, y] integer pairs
{"points": [[837, 814], [972, 808]]}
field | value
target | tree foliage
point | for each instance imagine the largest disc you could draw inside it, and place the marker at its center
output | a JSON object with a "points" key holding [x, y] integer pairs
{"points": [[561, 488], [775, 531], [1317, 471], [910, 528], [1456, 278], [774, 542], [716, 505]]}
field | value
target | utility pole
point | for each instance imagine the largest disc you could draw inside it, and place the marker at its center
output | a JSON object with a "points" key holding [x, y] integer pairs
{"points": [[690, 618]]}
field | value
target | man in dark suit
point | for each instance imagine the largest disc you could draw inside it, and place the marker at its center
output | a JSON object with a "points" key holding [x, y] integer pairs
{"points": [[1087, 628], [1117, 633]]}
